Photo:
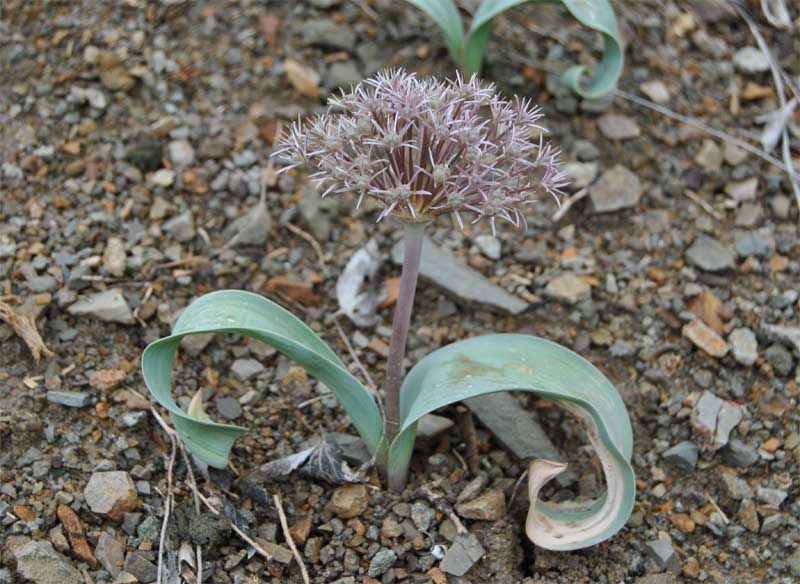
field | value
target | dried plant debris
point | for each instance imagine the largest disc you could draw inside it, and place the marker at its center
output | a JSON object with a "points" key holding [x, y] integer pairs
{"points": [[324, 462], [24, 326], [358, 288]]}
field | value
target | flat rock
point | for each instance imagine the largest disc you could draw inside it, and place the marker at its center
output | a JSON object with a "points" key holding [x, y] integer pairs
{"points": [[743, 190], [114, 257], [683, 455], [617, 188], [515, 427], [788, 335], [709, 157], [70, 399], [431, 425], [664, 555], [40, 562], [111, 493], [737, 453], [181, 227], [618, 127], [143, 569], [744, 346], [489, 246], [181, 153], [710, 255], [452, 274], [489, 506], [705, 338], [349, 501], [381, 562], [246, 368], [110, 552], [735, 486], [713, 419], [569, 288], [751, 60], [464, 552], [655, 90], [109, 305], [581, 174]]}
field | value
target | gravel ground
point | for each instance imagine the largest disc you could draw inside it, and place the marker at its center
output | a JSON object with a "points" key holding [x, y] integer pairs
{"points": [[134, 135]]}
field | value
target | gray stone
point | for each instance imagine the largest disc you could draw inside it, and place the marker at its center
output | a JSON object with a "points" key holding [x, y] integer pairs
{"points": [[229, 408], [149, 529], [781, 206], [737, 453], [751, 60], [318, 213], [780, 358], [342, 74], [655, 90], [753, 243], [489, 246], [181, 227], [744, 346], [515, 427], [38, 284], [714, 418], [664, 555], [788, 335], [569, 288], [431, 425], [736, 487], [473, 488], [143, 569], [71, 399], [422, 515], [772, 523], [109, 305], [181, 153], [683, 455], [110, 552], [114, 257], [581, 174], [710, 255], [743, 190], [326, 33], [40, 562], [244, 369], [618, 127], [748, 215], [111, 493], [453, 275], [381, 562], [774, 497], [465, 550], [618, 188], [794, 562], [709, 157], [656, 579]]}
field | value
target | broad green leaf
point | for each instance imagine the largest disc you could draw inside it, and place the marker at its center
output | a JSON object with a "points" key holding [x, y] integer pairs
{"points": [[595, 14], [445, 14], [236, 311], [508, 362]]}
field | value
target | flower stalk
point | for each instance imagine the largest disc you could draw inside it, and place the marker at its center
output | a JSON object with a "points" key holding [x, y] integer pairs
{"points": [[413, 235]]}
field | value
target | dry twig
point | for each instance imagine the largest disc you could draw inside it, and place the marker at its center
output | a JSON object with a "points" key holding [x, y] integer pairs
{"points": [[285, 526], [310, 239], [568, 203], [705, 206], [25, 328], [168, 496]]}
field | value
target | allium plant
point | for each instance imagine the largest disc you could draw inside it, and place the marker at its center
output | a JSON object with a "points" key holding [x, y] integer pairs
{"points": [[421, 149]]}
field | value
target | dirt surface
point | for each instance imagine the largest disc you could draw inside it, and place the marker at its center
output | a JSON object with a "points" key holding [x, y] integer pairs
{"points": [[134, 134]]}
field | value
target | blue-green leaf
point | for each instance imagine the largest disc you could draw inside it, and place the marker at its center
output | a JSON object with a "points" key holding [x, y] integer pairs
{"points": [[595, 14], [495, 363], [445, 14], [236, 311]]}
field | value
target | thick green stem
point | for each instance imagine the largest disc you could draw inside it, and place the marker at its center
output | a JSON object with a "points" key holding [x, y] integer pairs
{"points": [[412, 242]]}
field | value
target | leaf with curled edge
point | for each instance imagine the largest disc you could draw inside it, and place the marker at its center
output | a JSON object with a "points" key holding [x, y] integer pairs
{"points": [[507, 362]]}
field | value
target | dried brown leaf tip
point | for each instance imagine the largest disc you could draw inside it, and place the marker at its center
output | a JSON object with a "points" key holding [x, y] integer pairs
{"points": [[424, 148], [25, 328]]}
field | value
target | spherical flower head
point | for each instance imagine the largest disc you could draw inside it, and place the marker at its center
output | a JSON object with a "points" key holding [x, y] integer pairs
{"points": [[424, 148]]}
